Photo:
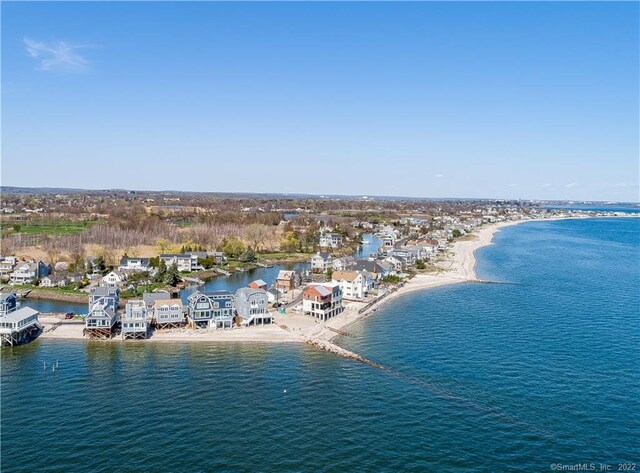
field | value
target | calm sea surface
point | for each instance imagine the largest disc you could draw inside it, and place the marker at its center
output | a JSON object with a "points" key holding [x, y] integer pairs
{"points": [[542, 369]]}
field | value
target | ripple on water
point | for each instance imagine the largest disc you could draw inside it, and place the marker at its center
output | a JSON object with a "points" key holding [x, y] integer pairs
{"points": [[478, 378]]}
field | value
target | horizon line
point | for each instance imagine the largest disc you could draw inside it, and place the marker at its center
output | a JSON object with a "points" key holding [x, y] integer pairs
{"points": [[5, 188]]}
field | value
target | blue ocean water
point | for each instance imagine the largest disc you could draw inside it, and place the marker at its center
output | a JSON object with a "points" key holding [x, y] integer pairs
{"points": [[542, 369]]}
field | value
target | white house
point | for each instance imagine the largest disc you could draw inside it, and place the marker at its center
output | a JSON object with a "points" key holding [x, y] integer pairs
{"points": [[341, 264], [396, 262], [55, 280], [330, 240], [354, 284], [186, 262], [320, 262], [27, 273], [114, 278], [7, 264], [134, 264]]}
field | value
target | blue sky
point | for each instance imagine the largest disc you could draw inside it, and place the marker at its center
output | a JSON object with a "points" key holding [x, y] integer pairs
{"points": [[517, 100]]}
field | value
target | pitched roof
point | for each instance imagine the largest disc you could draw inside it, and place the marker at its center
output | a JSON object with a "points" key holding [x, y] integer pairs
{"points": [[346, 275], [125, 259], [19, 314], [248, 291], [319, 289], [161, 302], [102, 291], [285, 274], [222, 292], [365, 264], [5, 295], [257, 283], [149, 297]]}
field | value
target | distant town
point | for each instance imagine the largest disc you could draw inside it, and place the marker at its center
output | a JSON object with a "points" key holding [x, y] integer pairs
{"points": [[128, 254]]}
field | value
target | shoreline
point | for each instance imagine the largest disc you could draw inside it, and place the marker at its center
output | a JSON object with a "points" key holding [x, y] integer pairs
{"points": [[457, 267]]}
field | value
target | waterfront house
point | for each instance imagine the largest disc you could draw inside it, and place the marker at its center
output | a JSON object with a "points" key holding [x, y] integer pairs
{"points": [[354, 284], [55, 280], [28, 273], [186, 262], [330, 240], [251, 306], [397, 263], [134, 264], [383, 269], [258, 284], [211, 309], [408, 255], [322, 301], [19, 326], [8, 302], [168, 313], [101, 321], [320, 262], [286, 280], [134, 321], [341, 264], [150, 298], [114, 278], [104, 294]]}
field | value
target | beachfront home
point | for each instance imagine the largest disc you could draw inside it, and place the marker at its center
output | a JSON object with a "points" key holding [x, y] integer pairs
{"points": [[104, 294], [168, 313], [134, 264], [258, 284], [322, 301], [19, 326], [251, 306], [286, 280], [114, 278], [134, 321], [354, 284], [101, 321], [330, 240], [150, 298], [211, 309], [8, 302], [320, 262], [28, 273]]}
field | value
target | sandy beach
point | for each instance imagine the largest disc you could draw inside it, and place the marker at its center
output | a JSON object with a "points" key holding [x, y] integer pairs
{"points": [[55, 328], [456, 267]]}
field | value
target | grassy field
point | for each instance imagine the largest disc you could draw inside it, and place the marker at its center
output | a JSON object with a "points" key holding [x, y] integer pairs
{"points": [[55, 290], [59, 227], [284, 256]]}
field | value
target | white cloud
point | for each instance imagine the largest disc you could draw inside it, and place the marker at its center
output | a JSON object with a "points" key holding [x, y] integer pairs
{"points": [[56, 55], [513, 185], [546, 185], [438, 175], [571, 184]]}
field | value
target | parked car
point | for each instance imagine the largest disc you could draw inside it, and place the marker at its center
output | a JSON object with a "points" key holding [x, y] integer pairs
{"points": [[68, 315]]}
